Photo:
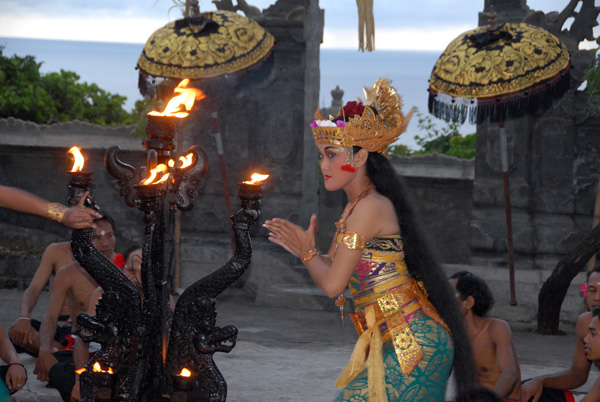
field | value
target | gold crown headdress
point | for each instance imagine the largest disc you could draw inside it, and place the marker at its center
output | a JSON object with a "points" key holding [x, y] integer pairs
{"points": [[373, 126]]}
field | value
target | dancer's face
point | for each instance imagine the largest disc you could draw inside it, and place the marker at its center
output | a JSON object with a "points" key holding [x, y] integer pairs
{"points": [[593, 291], [332, 158]]}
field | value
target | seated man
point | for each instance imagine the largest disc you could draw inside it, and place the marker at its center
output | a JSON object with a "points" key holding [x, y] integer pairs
{"points": [[24, 332], [74, 284], [554, 387], [491, 339], [592, 351]]}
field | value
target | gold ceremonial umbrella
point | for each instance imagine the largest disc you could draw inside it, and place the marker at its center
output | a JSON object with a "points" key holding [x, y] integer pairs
{"points": [[207, 46], [497, 73]]}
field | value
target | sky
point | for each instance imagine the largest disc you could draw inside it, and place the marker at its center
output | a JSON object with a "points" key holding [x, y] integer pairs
{"points": [[399, 24]]}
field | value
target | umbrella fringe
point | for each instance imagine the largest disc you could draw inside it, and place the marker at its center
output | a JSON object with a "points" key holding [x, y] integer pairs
{"points": [[537, 100], [451, 109], [220, 87]]}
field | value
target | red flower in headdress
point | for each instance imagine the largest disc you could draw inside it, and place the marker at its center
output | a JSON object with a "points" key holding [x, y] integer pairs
{"points": [[352, 109]]}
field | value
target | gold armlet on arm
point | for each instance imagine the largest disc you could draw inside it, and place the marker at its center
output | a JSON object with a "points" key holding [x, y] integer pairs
{"points": [[307, 255], [55, 211], [354, 241]]}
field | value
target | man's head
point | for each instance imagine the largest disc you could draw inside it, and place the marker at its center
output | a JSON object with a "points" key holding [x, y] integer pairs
{"points": [[472, 293], [592, 297], [592, 339], [104, 236]]}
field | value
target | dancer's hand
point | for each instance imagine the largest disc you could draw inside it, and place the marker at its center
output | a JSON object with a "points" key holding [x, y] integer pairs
{"points": [[292, 237], [79, 216]]}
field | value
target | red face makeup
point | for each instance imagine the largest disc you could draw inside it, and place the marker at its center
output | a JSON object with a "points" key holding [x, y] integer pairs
{"points": [[332, 159]]}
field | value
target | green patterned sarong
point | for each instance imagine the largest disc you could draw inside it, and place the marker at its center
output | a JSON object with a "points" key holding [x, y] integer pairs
{"points": [[427, 383]]}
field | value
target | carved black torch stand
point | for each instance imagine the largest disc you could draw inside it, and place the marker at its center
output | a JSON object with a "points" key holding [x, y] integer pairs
{"points": [[150, 353]]}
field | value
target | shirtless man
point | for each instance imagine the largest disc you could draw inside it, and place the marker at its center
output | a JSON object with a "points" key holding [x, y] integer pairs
{"points": [[543, 387], [24, 331], [491, 339], [75, 286]]}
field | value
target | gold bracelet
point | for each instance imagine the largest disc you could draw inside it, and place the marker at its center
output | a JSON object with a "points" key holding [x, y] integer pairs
{"points": [[307, 255], [55, 211]]}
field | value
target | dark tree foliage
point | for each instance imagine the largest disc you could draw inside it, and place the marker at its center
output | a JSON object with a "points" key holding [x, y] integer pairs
{"points": [[446, 140], [54, 97]]}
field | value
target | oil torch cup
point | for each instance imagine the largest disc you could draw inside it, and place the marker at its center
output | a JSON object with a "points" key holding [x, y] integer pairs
{"points": [[182, 384]]}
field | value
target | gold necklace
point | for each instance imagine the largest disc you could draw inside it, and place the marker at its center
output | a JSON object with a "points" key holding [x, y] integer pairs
{"points": [[341, 223], [339, 234]]}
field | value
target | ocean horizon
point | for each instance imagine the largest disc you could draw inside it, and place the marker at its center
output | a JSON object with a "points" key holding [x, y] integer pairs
{"points": [[112, 67]]}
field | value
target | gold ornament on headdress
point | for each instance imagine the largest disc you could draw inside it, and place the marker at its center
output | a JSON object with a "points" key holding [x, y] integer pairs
{"points": [[379, 125]]}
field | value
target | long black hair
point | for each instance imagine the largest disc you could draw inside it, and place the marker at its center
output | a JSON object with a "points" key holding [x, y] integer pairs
{"points": [[422, 264]]}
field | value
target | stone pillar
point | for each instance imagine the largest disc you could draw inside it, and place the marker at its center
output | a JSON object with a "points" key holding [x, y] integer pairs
{"points": [[506, 11]]}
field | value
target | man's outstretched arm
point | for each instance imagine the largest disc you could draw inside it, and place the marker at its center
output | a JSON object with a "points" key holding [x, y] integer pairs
{"points": [[76, 217]]}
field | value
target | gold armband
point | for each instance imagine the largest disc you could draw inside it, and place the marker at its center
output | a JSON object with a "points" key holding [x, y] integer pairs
{"points": [[353, 241], [55, 211], [307, 255]]}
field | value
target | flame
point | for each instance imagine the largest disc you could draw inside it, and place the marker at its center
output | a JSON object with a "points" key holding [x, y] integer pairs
{"points": [[154, 172], [185, 99], [80, 371], [98, 369], [79, 160], [171, 163], [185, 372], [186, 160], [257, 178]]}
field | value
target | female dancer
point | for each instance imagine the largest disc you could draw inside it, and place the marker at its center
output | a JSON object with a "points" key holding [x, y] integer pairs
{"points": [[410, 328]]}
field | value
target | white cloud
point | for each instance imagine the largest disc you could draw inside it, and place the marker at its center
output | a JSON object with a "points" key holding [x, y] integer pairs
{"points": [[395, 39], [97, 29]]}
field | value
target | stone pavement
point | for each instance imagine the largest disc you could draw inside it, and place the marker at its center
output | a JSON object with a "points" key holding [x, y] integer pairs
{"points": [[296, 355]]}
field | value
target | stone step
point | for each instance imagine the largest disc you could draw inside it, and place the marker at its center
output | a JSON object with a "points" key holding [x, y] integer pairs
{"points": [[299, 297]]}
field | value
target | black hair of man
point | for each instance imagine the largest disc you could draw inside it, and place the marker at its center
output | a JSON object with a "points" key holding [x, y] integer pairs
{"points": [[131, 249], [596, 312], [596, 269], [479, 394], [467, 285], [109, 219]]}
